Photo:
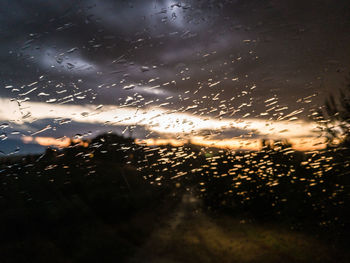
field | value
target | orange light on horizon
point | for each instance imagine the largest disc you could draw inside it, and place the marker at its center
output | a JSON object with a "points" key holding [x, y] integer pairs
{"points": [[232, 144], [158, 142], [299, 144], [308, 143], [48, 141]]}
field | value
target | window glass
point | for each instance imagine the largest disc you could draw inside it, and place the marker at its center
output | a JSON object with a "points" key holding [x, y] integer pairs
{"points": [[174, 131]]}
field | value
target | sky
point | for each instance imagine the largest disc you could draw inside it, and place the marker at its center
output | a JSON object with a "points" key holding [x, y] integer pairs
{"points": [[206, 71]]}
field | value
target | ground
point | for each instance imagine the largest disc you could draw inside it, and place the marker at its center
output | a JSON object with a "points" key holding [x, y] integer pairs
{"points": [[191, 235]]}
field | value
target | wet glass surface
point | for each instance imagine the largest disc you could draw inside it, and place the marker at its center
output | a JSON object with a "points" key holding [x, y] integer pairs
{"points": [[174, 131]]}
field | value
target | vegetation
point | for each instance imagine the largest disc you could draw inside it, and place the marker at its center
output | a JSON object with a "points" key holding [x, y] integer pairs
{"points": [[107, 197]]}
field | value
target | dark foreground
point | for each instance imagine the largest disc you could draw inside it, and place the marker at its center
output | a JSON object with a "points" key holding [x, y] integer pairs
{"points": [[115, 201], [180, 233], [190, 235]]}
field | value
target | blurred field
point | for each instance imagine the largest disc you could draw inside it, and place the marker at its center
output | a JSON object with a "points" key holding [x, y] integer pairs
{"points": [[190, 235]]}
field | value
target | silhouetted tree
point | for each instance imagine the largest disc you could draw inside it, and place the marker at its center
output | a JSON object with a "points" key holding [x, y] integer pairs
{"points": [[335, 118]]}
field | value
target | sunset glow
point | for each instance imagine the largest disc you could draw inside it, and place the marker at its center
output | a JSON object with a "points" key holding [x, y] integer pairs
{"points": [[171, 123], [48, 141]]}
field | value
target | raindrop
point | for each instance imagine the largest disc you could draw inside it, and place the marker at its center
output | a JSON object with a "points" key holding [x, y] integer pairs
{"points": [[3, 136], [144, 68]]}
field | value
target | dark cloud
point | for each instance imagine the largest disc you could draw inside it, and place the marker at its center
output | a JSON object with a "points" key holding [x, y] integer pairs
{"points": [[106, 52]]}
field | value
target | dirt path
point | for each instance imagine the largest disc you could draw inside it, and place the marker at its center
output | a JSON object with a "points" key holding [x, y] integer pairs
{"points": [[189, 235]]}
